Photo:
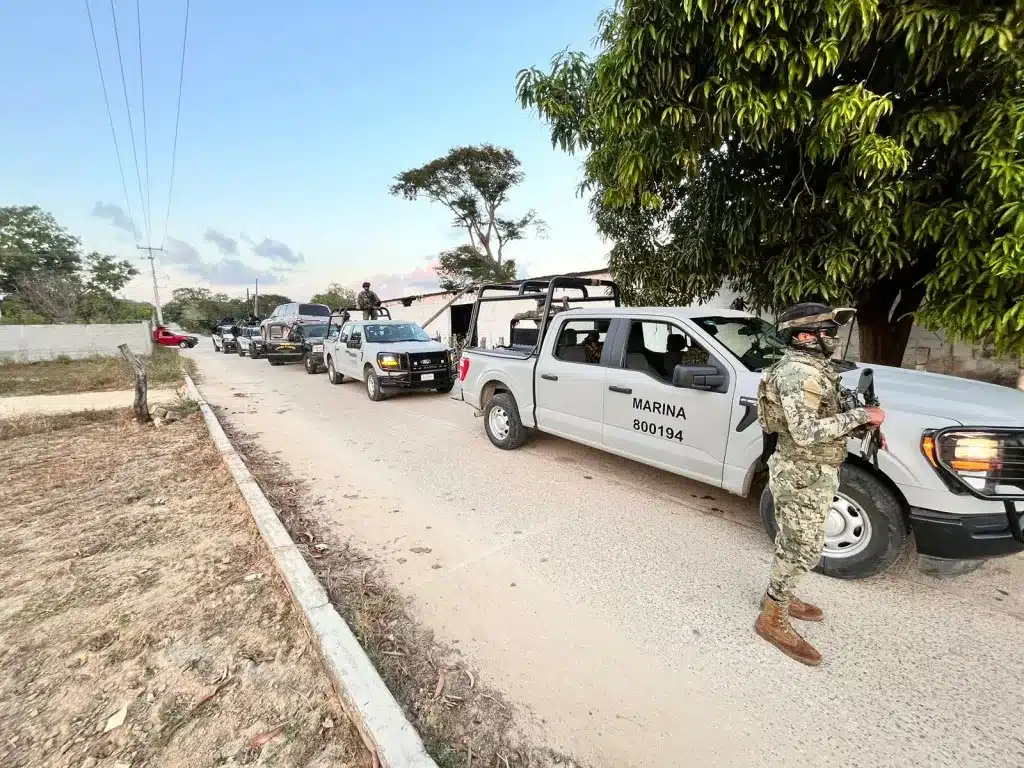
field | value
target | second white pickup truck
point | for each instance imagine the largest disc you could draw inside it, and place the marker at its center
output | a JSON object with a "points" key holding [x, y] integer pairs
{"points": [[675, 388]]}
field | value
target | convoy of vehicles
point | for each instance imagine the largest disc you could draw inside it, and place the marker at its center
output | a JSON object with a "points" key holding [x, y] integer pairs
{"points": [[676, 388], [953, 473]]}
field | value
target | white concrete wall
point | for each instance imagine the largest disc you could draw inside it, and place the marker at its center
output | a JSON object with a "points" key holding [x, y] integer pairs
{"points": [[28, 343]]}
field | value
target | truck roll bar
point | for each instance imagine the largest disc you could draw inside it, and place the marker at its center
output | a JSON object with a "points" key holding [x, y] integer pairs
{"points": [[540, 289]]}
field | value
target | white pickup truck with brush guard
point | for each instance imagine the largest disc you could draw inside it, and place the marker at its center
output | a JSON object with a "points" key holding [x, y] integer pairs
{"points": [[676, 388]]}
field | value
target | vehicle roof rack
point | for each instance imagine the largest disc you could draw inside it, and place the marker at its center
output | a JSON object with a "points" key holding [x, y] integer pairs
{"points": [[541, 289], [346, 312]]}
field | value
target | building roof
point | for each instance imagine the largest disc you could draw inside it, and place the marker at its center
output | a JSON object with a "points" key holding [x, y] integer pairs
{"points": [[415, 297]]}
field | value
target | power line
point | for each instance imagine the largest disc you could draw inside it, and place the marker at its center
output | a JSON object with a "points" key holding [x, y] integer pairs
{"points": [[145, 130], [110, 119], [131, 129], [177, 117]]}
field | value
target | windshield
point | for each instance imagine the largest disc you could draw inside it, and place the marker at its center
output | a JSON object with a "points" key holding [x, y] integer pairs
{"points": [[314, 331], [314, 310], [395, 332], [753, 340]]}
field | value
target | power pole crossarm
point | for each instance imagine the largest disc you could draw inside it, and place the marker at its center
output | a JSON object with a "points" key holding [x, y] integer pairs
{"points": [[152, 269]]}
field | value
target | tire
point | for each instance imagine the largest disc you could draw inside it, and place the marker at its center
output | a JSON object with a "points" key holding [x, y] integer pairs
{"points": [[502, 423], [373, 388], [224, 349], [182, 345], [254, 355], [332, 375], [272, 361], [239, 350], [861, 495], [311, 367], [446, 388]]}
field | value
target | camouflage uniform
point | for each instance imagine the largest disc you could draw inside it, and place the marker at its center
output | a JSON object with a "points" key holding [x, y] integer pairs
{"points": [[799, 400], [368, 301], [593, 348]]}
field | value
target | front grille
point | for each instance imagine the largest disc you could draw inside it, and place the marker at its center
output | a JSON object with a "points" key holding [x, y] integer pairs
{"points": [[421, 362]]}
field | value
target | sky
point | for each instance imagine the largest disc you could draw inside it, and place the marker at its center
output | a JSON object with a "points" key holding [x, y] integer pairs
{"points": [[295, 118]]}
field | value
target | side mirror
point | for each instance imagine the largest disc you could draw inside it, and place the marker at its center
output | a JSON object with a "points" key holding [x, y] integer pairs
{"points": [[712, 377]]}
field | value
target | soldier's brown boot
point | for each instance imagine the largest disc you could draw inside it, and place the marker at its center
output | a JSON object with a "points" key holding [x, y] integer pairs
{"points": [[773, 625], [798, 609]]}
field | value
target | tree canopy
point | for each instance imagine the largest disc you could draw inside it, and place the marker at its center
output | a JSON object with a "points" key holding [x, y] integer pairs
{"points": [[863, 152], [47, 279], [335, 296], [473, 183], [197, 309]]}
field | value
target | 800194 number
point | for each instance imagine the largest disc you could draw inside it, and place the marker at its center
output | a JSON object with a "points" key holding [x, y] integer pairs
{"points": [[650, 428]]}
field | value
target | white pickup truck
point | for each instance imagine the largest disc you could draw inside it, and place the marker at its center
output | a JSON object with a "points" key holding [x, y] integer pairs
{"points": [[675, 388]]}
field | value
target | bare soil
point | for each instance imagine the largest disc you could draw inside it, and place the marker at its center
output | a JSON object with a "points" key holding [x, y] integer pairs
{"points": [[141, 621], [462, 721], [94, 374]]}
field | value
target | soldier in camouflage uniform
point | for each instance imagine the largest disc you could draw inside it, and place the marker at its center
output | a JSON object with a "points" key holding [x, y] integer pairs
{"points": [[593, 347], [798, 400], [368, 301]]}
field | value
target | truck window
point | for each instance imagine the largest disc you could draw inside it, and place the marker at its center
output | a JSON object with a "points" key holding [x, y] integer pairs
{"points": [[656, 348], [314, 310], [753, 340], [346, 329], [581, 341]]}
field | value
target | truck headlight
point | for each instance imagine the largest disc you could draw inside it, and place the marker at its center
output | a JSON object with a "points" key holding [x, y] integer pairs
{"points": [[389, 361], [987, 462]]}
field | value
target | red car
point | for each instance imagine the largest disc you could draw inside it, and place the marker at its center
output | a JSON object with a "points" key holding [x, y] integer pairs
{"points": [[168, 338]]}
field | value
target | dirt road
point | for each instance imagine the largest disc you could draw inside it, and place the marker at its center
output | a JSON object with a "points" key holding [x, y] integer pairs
{"points": [[614, 604]]}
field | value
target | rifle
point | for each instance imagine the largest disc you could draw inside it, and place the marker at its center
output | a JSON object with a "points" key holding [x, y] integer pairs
{"points": [[865, 396]]}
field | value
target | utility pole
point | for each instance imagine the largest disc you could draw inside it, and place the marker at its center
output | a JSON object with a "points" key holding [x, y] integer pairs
{"points": [[256, 300], [152, 269]]}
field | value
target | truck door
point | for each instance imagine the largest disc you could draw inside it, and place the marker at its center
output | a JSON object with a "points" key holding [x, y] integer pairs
{"points": [[351, 356], [570, 379], [648, 419]]}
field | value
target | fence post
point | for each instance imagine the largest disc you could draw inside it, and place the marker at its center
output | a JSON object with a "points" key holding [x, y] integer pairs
{"points": [[141, 405]]}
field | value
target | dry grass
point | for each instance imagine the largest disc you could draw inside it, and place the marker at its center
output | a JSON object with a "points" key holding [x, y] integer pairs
{"points": [[461, 720], [132, 580], [95, 374]]}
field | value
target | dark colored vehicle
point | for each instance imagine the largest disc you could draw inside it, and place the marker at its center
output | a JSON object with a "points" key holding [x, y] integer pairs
{"points": [[249, 342], [224, 338], [168, 338], [280, 341], [312, 340]]}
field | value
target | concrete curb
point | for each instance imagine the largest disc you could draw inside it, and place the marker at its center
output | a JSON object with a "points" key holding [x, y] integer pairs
{"points": [[388, 735]]}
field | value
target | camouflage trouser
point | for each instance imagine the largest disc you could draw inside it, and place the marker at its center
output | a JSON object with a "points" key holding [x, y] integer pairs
{"points": [[369, 314], [802, 494]]}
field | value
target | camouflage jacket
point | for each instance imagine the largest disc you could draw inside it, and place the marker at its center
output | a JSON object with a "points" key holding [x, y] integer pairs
{"points": [[367, 299], [799, 400]]}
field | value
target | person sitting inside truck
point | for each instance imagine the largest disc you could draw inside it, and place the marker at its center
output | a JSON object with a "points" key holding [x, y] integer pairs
{"points": [[568, 348], [593, 347], [678, 353]]}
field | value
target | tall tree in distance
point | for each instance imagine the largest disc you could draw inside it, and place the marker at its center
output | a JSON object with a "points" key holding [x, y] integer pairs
{"points": [[863, 152], [335, 296], [33, 244], [473, 183]]}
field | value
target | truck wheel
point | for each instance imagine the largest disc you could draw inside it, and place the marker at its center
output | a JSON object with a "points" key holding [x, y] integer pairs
{"points": [[224, 348], [332, 374], [239, 350], [373, 389], [864, 531], [182, 345], [502, 422], [273, 361], [446, 388], [309, 365], [254, 354]]}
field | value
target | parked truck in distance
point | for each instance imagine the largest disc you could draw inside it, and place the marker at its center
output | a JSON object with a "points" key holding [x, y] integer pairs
{"points": [[281, 342], [676, 388]]}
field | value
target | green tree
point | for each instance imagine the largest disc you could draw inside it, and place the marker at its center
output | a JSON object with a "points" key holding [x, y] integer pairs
{"points": [[335, 296], [106, 274], [32, 243], [864, 152], [473, 183]]}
